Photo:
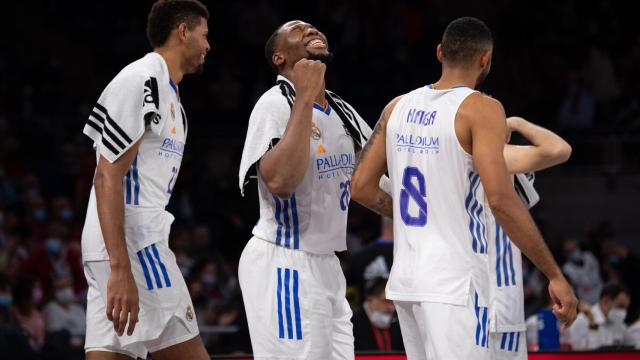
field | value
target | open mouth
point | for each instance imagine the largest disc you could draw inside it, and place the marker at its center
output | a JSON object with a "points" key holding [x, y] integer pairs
{"points": [[316, 44]]}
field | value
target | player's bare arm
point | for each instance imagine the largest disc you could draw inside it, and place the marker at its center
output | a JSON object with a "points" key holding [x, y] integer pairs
{"points": [[481, 120], [283, 167], [547, 149], [371, 164], [122, 293]]}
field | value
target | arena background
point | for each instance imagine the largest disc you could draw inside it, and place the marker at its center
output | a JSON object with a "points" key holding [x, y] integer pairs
{"points": [[571, 66]]}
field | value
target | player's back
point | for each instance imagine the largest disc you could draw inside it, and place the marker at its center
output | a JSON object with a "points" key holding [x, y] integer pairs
{"points": [[440, 238]]}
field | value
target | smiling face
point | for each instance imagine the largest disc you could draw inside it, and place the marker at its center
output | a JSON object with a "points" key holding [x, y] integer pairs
{"points": [[196, 47], [299, 40]]}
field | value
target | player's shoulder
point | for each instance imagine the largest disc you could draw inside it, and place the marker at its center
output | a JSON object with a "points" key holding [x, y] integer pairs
{"points": [[274, 99], [479, 100], [151, 65]]}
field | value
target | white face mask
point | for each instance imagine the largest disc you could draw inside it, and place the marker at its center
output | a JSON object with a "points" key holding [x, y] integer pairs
{"points": [[617, 315], [380, 320], [65, 295]]}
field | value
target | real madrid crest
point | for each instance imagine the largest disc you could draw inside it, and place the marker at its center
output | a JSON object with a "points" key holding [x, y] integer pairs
{"points": [[172, 109], [189, 314], [315, 132]]}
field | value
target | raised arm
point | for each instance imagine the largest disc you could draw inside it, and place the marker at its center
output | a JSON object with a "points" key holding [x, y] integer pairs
{"points": [[547, 149], [283, 167], [122, 293], [486, 120], [371, 165]]}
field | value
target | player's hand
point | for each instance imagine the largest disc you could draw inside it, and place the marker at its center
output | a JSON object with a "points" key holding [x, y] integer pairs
{"points": [[308, 78], [122, 300], [513, 124], [565, 303]]}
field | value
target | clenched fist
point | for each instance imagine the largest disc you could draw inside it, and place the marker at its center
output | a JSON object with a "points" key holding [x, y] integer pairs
{"points": [[308, 78]]}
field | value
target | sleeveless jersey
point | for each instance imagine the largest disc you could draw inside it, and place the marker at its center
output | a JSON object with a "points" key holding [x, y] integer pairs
{"points": [[440, 252], [139, 104], [314, 218]]}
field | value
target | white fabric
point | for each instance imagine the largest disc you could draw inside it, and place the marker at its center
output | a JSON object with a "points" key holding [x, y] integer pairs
{"points": [[585, 278], [505, 268], [140, 88], [608, 332], [632, 336], [436, 256], [163, 296], [314, 218], [295, 303], [443, 331], [508, 345]]}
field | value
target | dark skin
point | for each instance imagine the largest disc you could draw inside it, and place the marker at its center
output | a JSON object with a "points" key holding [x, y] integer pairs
{"points": [[282, 168], [481, 129]]}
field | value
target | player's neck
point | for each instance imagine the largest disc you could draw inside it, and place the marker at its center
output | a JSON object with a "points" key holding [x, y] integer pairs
{"points": [[174, 64], [456, 77]]}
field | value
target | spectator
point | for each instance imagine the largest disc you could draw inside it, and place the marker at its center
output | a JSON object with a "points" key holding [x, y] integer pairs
{"points": [[14, 340], [374, 260], [632, 336], [375, 325], [543, 328], [27, 295], [65, 314], [602, 324], [583, 270]]}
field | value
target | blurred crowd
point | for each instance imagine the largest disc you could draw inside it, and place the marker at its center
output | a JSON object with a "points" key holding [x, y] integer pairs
{"points": [[569, 66]]}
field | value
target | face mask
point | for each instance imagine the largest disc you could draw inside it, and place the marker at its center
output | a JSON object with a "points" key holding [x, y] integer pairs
{"points": [[65, 214], [36, 296], [6, 300], [576, 256], [65, 295], [380, 320], [40, 214], [617, 315], [208, 279], [53, 246]]}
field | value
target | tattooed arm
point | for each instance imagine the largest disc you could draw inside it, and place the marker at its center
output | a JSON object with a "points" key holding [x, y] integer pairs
{"points": [[371, 164]]}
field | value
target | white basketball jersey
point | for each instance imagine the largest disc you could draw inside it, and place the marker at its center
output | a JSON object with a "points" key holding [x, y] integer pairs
{"points": [[141, 103], [505, 267], [314, 218], [440, 244]]}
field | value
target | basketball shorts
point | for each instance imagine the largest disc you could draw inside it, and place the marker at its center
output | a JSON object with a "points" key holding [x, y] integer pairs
{"points": [[508, 345], [295, 303], [166, 316]]}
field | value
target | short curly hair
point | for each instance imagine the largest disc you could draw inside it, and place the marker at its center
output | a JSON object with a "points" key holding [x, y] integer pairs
{"points": [[165, 15]]}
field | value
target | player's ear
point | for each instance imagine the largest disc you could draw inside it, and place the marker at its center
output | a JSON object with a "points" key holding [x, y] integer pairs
{"points": [[183, 30], [485, 59], [277, 58], [439, 52]]}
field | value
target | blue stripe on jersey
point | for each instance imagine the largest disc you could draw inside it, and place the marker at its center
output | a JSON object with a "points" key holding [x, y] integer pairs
{"points": [[498, 273], [163, 268], [287, 227], [513, 270], [145, 270], [136, 181], [478, 326], [480, 228], [153, 268], [296, 232], [279, 231], [511, 336], [504, 341], [279, 299], [287, 303], [127, 188], [517, 340], [472, 181], [485, 328], [504, 258], [296, 305]]}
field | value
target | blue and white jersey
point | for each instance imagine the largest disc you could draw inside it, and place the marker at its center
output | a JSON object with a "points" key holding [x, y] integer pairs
{"points": [[140, 104], [505, 266], [440, 242], [314, 218]]}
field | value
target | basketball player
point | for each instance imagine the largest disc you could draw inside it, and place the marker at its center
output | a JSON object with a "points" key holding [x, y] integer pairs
{"points": [[139, 129], [302, 140], [443, 147], [506, 306]]}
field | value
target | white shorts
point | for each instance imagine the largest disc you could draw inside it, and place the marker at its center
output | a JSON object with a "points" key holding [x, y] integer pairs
{"points": [[295, 303], [443, 331], [508, 345], [166, 315]]}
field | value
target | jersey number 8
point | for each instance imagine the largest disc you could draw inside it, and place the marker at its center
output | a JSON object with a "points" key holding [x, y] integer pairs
{"points": [[418, 195]]}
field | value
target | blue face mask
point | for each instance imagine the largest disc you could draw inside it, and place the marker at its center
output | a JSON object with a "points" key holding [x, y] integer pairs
{"points": [[54, 246], [6, 300], [65, 214]]}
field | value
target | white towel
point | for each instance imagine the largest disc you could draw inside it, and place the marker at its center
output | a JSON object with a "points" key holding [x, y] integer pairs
{"points": [[523, 184]]}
